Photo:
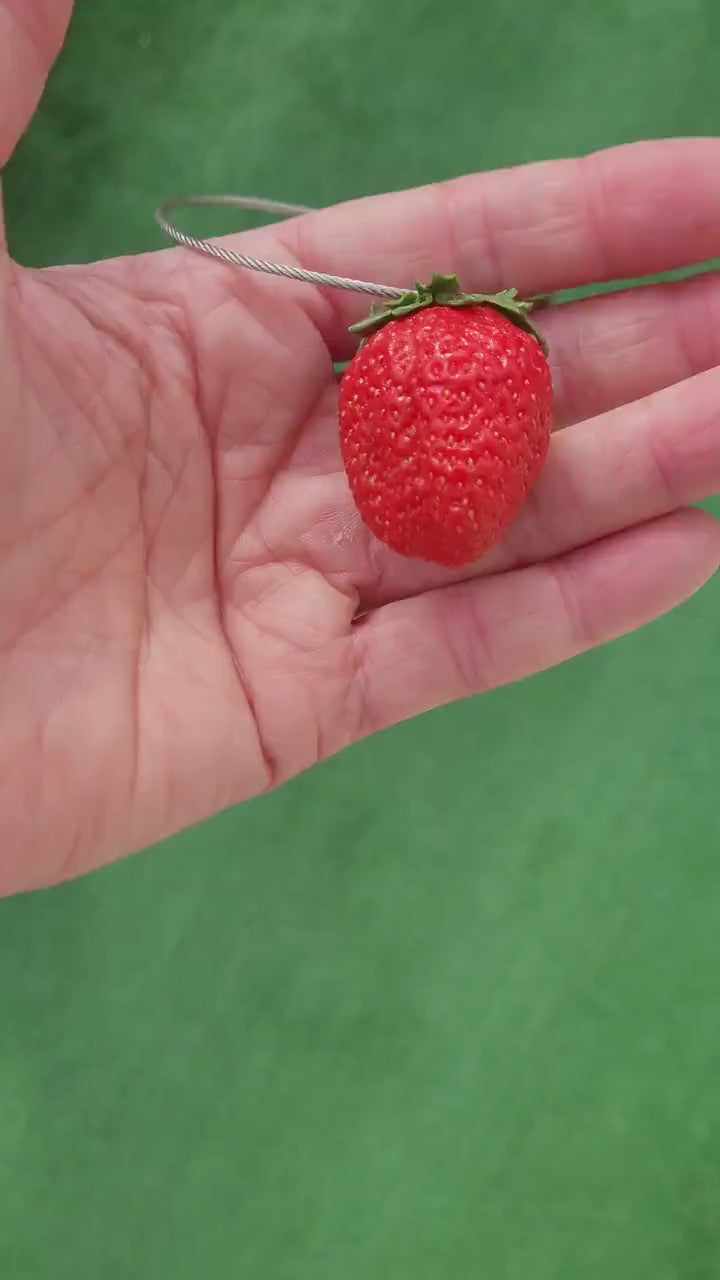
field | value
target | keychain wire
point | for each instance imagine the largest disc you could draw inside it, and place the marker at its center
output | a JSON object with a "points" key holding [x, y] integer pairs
{"points": [[277, 207]]}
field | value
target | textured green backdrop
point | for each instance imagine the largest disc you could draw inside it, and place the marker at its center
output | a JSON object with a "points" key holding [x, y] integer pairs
{"points": [[447, 1006]]}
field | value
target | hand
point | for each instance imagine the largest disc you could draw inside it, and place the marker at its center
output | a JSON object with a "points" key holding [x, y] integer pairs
{"points": [[181, 567]]}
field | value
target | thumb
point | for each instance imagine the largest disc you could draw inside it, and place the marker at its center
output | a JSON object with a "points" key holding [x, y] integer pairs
{"points": [[31, 34]]}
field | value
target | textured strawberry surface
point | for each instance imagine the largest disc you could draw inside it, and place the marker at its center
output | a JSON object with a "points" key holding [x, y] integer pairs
{"points": [[445, 419]]}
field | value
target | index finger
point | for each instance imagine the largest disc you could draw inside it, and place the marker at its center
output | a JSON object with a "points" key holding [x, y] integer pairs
{"points": [[631, 211]]}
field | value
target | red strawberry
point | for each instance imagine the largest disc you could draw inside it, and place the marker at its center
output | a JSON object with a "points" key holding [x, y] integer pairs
{"points": [[445, 417]]}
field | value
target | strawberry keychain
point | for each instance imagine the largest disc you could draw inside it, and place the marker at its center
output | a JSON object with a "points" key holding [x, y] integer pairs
{"points": [[445, 418], [445, 411]]}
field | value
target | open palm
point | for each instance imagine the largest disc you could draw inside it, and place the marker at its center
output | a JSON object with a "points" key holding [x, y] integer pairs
{"points": [[191, 610]]}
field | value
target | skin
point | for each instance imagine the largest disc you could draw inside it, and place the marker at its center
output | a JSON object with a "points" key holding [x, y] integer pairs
{"points": [[190, 610]]}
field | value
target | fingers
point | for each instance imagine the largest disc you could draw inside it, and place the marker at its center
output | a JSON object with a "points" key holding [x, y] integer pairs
{"points": [[624, 213], [608, 350], [31, 33], [632, 465], [467, 638]]}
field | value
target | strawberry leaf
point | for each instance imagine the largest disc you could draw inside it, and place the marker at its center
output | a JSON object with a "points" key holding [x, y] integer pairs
{"points": [[445, 291]]}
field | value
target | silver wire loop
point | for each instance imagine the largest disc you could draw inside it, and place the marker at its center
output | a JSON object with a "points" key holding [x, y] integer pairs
{"points": [[258, 204]]}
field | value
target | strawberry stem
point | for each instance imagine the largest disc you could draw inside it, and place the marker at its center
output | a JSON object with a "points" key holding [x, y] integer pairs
{"points": [[445, 291]]}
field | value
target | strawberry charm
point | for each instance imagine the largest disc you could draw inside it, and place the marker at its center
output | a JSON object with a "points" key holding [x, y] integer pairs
{"points": [[445, 418]]}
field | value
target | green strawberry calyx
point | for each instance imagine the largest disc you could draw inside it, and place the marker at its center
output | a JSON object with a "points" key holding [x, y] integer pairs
{"points": [[445, 291]]}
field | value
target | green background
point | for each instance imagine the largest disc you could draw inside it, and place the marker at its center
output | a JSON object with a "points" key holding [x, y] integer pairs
{"points": [[447, 1005]]}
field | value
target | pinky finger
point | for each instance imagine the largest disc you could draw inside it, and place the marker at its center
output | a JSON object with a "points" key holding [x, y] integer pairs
{"points": [[464, 639]]}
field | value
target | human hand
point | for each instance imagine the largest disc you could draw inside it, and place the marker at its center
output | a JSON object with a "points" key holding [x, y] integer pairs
{"points": [[181, 567]]}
